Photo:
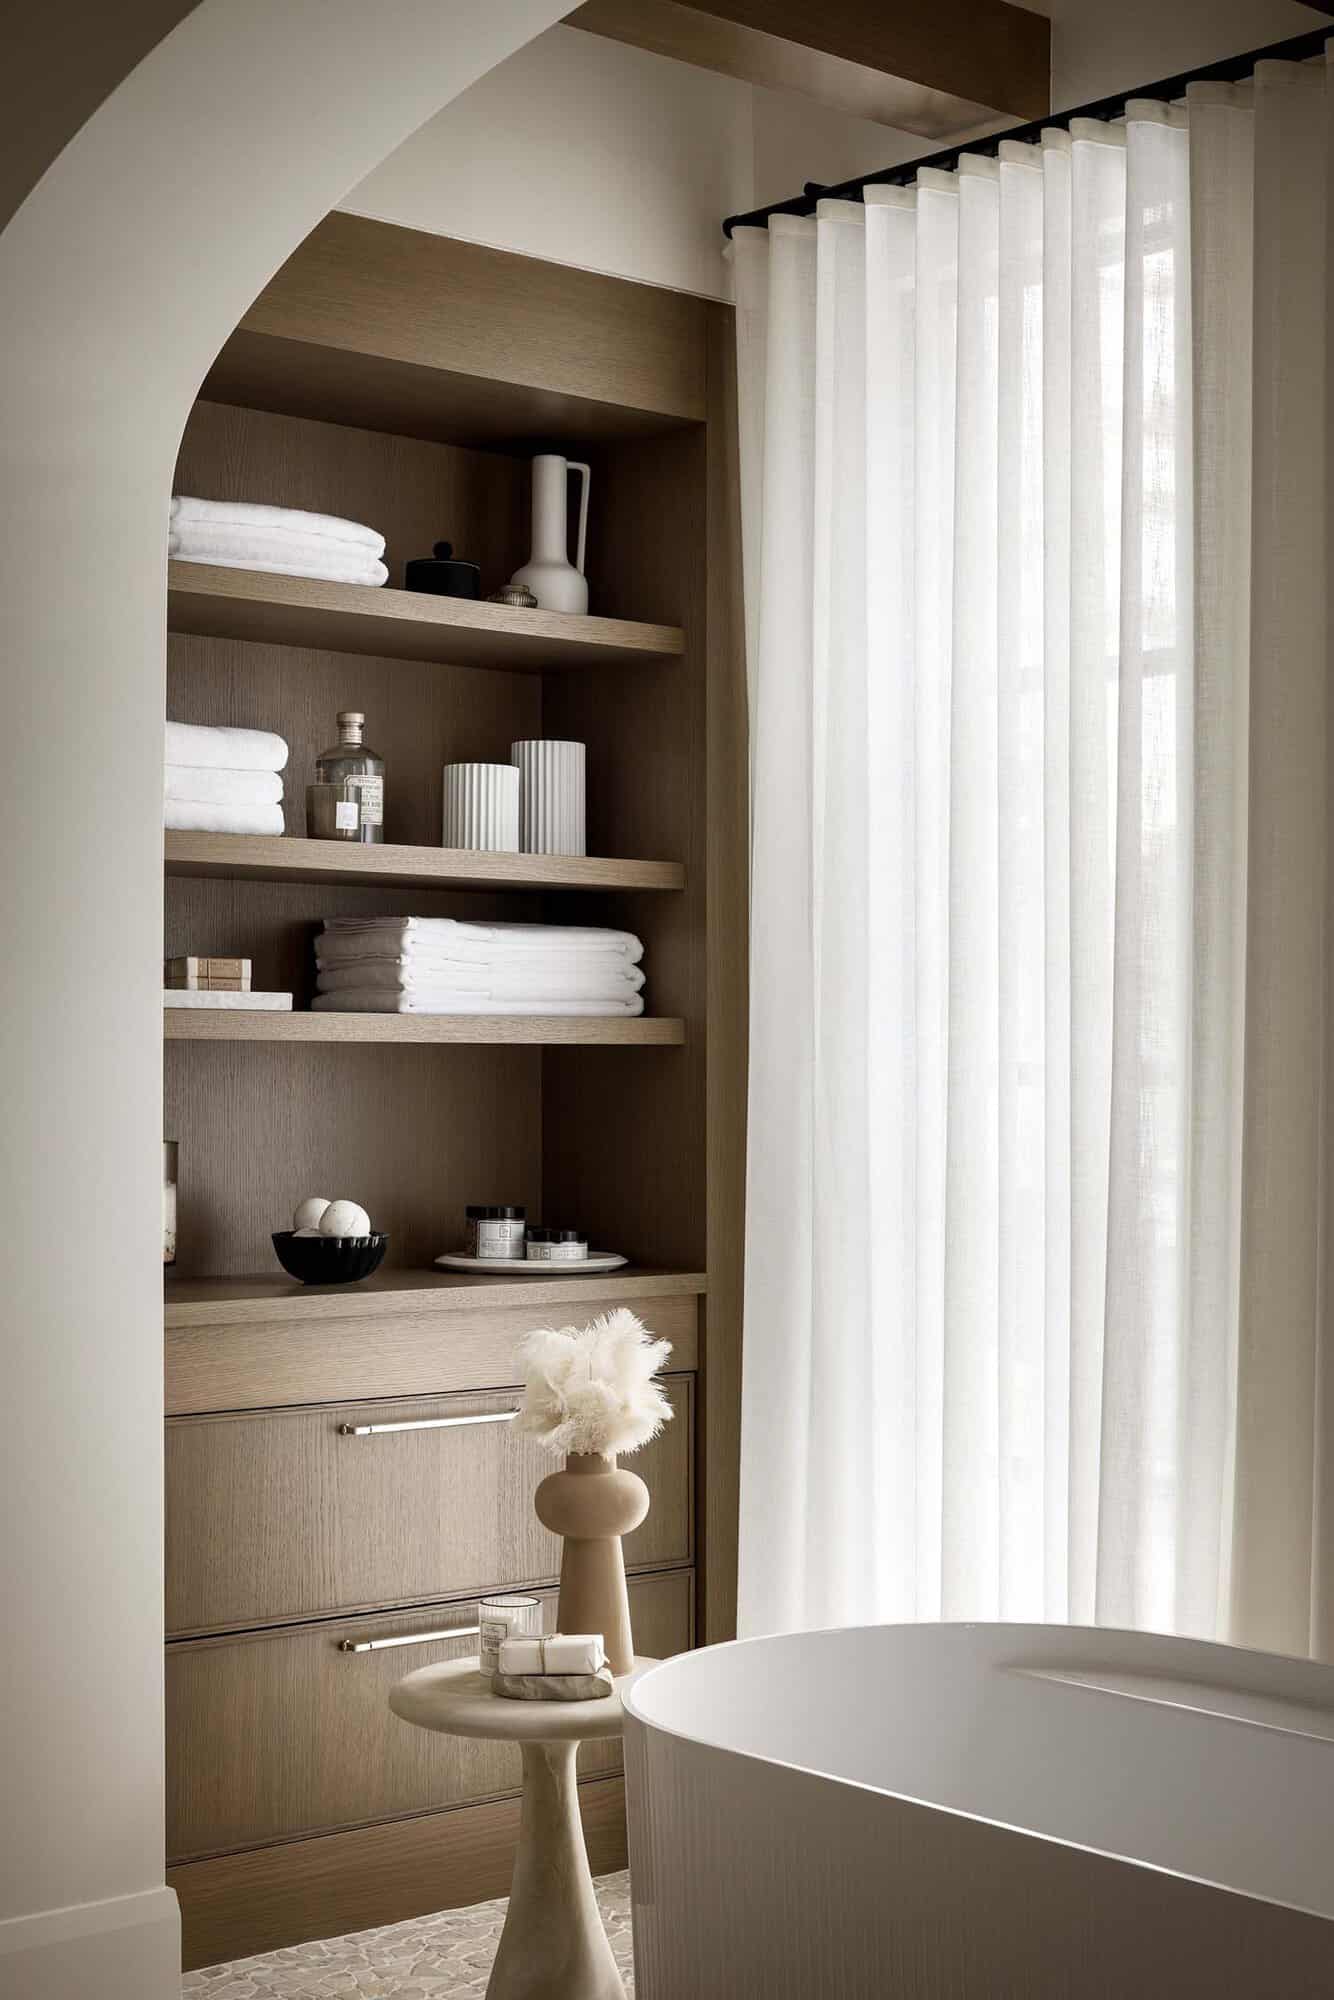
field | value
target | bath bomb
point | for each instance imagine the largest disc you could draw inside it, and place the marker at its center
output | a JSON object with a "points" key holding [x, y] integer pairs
{"points": [[305, 1232], [306, 1221], [344, 1218]]}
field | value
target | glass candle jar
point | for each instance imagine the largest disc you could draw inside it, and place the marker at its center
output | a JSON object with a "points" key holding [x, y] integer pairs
{"points": [[507, 1616], [170, 1150], [496, 1232]]}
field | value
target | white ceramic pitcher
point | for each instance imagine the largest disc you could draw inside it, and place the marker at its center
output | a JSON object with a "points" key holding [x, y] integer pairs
{"points": [[557, 583]]}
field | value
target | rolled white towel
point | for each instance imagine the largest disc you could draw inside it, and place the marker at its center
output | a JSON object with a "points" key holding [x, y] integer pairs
{"points": [[558, 1653], [208, 784], [332, 568], [375, 1000], [202, 816], [225, 749], [185, 509]]}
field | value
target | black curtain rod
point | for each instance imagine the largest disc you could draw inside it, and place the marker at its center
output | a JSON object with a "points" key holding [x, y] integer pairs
{"points": [[1232, 69]]}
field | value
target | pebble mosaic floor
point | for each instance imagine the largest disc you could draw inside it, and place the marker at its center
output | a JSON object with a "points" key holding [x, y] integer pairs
{"points": [[444, 1957]]}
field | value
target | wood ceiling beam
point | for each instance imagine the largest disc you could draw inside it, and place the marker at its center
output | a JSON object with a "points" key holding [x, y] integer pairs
{"points": [[935, 67]]}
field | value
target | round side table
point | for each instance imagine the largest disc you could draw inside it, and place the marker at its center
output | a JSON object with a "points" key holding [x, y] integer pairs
{"points": [[553, 1946]]}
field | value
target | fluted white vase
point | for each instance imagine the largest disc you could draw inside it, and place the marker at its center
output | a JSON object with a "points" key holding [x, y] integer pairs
{"points": [[551, 797], [482, 807]]}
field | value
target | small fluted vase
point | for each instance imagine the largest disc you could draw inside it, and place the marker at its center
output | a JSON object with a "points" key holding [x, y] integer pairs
{"points": [[591, 1504]]}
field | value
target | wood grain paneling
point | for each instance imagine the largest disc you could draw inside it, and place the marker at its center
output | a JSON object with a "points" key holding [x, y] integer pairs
{"points": [[413, 1134], [414, 491], [216, 602], [935, 70], [278, 1734], [728, 889], [419, 718], [407, 300], [266, 1897], [645, 1185], [281, 1515], [258, 1363]]}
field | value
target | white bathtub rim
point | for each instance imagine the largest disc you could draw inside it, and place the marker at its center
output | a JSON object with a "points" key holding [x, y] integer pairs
{"points": [[634, 1711]]}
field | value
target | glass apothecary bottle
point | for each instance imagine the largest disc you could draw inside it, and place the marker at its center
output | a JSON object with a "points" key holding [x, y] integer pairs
{"points": [[357, 773]]}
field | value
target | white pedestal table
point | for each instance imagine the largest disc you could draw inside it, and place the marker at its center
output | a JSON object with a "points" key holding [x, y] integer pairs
{"points": [[553, 1946]]}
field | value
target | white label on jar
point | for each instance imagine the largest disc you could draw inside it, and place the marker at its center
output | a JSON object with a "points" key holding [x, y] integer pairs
{"points": [[500, 1237], [492, 1632], [539, 1253], [567, 1253], [371, 793], [345, 815]]}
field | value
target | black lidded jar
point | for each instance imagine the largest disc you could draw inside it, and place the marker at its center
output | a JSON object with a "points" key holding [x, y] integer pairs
{"points": [[496, 1232], [443, 574]]}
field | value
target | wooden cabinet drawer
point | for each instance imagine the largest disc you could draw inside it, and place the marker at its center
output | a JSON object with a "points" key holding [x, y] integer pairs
{"points": [[278, 1515], [280, 1733]]}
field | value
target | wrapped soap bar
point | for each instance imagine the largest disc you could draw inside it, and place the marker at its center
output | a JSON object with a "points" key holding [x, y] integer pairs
{"points": [[558, 1653], [554, 1687]]}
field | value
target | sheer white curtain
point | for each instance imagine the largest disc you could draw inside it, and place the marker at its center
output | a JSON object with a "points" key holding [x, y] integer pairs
{"points": [[1033, 476]]}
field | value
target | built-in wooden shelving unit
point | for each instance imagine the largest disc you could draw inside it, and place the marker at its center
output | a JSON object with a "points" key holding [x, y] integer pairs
{"points": [[242, 857], [404, 380], [219, 603], [207, 1024], [271, 1299]]}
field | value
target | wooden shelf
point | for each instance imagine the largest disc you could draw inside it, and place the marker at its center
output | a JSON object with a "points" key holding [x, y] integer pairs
{"points": [[189, 1024], [218, 603], [401, 330], [245, 857], [266, 1298]]}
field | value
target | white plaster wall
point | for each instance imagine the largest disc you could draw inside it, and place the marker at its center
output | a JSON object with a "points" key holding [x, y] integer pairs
{"points": [[592, 153], [120, 277], [588, 152]]}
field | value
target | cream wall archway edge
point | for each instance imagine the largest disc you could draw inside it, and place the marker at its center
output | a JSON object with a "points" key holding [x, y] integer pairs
{"points": [[121, 274]]}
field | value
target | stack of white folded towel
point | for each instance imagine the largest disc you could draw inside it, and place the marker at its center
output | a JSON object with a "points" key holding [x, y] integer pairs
{"points": [[223, 780], [243, 534], [436, 965]]}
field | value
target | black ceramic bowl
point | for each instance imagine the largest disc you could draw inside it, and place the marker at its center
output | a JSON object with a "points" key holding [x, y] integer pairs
{"points": [[329, 1260]]}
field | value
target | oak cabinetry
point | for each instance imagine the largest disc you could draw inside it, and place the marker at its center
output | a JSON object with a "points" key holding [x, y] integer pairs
{"points": [[279, 1515], [290, 1731], [405, 380]]}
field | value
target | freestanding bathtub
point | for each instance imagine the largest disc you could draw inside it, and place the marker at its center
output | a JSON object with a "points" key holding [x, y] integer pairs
{"points": [[965, 1812]]}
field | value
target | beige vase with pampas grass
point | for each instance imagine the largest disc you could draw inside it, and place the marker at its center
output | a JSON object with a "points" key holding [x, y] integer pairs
{"points": [[589, 1393]]}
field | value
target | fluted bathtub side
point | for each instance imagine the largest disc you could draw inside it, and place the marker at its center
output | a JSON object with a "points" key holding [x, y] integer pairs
{"points": [[753, 1879]]}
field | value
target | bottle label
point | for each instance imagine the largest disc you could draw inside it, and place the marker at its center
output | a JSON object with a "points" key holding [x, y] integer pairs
{"points": [[370, 792], [345, 815]]}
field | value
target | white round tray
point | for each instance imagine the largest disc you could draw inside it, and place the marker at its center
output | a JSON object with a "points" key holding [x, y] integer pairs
{"points": [[535, 1267]]}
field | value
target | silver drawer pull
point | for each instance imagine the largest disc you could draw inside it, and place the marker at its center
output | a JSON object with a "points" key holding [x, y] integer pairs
{"points": [[426, 1424], [408, 1639]]}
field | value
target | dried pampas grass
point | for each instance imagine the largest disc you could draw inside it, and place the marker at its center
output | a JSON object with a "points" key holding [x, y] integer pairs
{"points": [[591, 1388]]}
